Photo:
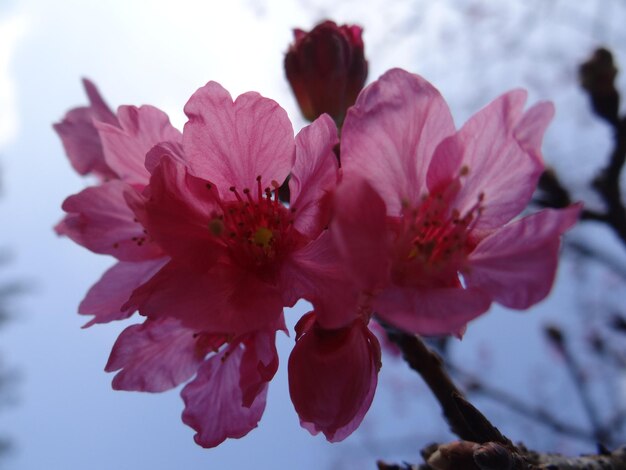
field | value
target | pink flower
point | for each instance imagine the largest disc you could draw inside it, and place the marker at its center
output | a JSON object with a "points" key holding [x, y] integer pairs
{"points": [[425, 216], [326, 68], [237, 255], [213, 209], [206, 251]]}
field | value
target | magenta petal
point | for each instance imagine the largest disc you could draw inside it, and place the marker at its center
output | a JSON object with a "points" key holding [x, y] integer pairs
{"points": [[391, 134], [99, 219], [125, 147], [431, 311], [106, 297], [80, 137], [258, 365], [314, 176], [171, 150], [213, 401], [224, 299], [517, 264], [231, 143], [99, 109], [154, 356], [499, 171], [359, 229], [531, 128], [177, 211], [332, 378], [317, 274]]}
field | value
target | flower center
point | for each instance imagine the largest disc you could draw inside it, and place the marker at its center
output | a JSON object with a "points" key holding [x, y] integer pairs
{"points": [[434, 239], [256, 229]]}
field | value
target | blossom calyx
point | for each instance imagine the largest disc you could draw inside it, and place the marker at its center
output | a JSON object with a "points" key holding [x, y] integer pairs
{"points": [[326, 69]]}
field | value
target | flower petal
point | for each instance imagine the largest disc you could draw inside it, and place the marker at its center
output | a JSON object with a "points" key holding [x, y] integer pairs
{"points": [[223, 299], [317, 274], [531, 128], [332, 378], [517, 264], [391, 134], [139, 130], [231, 143], [431, 311], [107, 296], [81, 139], [100, 220], [213, 401], [154, 356], [258, 364], [359, 230], [314, 176], [500, 171], [177, 211]]}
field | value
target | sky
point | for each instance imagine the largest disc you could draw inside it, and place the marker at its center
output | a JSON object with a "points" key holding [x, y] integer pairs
{"points": [[157, 52]]}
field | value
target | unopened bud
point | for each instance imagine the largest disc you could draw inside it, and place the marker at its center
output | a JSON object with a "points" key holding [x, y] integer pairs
{"points": [[326, 69], [597, 77]]}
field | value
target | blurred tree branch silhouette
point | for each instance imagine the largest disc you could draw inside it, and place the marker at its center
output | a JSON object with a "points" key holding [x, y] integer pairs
{"points": [[8, 376]]}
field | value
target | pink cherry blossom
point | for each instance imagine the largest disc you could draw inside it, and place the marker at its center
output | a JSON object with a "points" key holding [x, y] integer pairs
{"points": [[206, 251], [214, 211], [233, 247], [425, 216]]}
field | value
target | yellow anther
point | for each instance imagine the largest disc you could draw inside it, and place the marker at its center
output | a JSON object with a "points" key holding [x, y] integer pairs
{"points": [[263, 236]]}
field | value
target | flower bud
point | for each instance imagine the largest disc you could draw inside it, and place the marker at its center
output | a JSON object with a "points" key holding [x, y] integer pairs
{"points": [[326, 69], [597, 77]]}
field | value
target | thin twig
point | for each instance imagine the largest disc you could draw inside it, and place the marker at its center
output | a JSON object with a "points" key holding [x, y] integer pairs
{"points": [[538, 415], [463, 418]]}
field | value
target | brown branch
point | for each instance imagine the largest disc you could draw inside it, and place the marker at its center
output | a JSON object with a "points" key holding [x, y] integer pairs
{"points": [[463, 418], [482, 446], [465, 455]]}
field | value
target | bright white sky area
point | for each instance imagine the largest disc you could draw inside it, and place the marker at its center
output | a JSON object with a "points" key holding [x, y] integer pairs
{"points": [[159, 52]]}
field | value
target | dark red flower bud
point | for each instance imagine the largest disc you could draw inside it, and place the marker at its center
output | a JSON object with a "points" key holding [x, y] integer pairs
{"points": [[597, 77], [326, 69]]}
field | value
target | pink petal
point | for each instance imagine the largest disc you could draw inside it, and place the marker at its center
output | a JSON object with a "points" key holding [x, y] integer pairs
{"points": [[314, 176], [317, 274], [231, 144], [177, 211], [100, 220], [171, 150], [517, 264], [359, 230], [80, 137], [332, 378], [391, 134], [431, 311], [223, 299], [100, 110], [154, 356], [106, 297], [213, 401], [125, 147], [531, 128], [258, 365], [499, 169]]}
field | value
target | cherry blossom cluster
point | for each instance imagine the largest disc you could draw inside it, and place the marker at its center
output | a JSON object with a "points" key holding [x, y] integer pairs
{"points": [[404, 220]]}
